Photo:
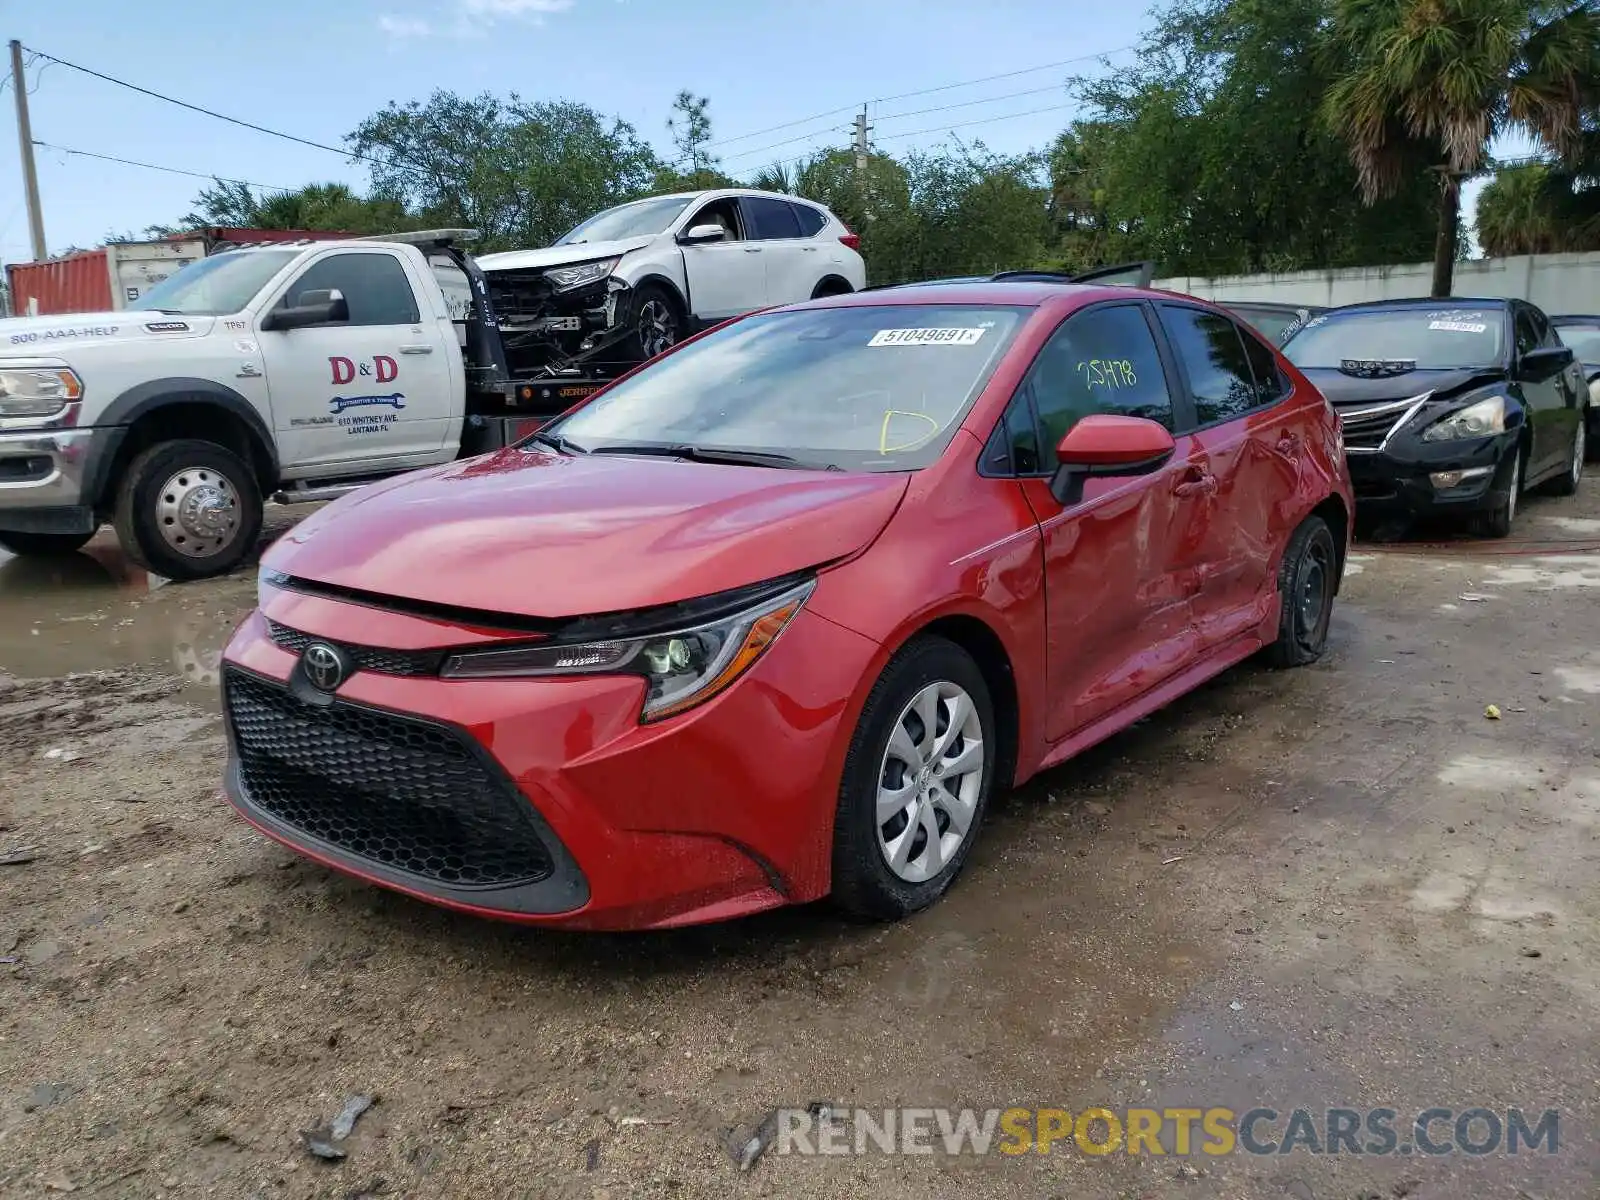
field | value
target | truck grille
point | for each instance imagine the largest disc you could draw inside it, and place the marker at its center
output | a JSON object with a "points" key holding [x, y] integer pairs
{"points": [[401, 792], [1366, 429], [366, 658]]}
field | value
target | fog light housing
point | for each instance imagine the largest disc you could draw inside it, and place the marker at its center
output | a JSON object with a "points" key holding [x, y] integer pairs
{"points": [[1445, 480]]}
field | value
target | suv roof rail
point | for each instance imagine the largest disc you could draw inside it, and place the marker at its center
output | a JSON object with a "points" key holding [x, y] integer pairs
{"points": [[425, 237]]}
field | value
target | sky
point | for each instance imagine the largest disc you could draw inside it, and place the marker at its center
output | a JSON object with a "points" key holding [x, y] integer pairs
{"points": [[316, 69]]}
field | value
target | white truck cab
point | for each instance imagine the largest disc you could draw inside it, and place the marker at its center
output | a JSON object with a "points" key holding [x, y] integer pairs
{"points": [[300, 370]]}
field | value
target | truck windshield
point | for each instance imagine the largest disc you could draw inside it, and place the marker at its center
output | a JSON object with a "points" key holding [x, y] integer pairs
{"points": [[874, 388], [1430, 339], [216, 286], [642, 218]]}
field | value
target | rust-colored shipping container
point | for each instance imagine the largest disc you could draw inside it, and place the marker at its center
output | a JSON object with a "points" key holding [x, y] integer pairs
{"points": [[112, 277]]}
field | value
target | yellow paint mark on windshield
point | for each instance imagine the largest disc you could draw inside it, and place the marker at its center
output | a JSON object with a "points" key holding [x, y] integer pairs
{"points": [[883, 434]]}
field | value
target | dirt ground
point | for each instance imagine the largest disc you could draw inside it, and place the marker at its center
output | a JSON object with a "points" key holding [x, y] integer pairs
{"points": [[1340, 886]]}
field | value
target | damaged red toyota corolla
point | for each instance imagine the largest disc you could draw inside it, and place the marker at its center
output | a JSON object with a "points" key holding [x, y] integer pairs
{"points": [[778, 615]]}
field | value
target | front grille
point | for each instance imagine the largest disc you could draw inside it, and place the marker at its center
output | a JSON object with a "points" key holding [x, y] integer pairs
{"points": [[405, 793], [1368, 427], [365, 658]]}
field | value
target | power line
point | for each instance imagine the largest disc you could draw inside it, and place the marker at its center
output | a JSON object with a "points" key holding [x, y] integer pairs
{"points": [[980, 121], [922, 112], [804, 137], [130, 162], [277, 133], [944, 87]]}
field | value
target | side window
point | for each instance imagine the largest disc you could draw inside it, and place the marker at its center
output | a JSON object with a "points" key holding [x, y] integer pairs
{"points": [[719, 212], [1542, 327], [1101, 361], [1527, 334], [1212, 356], [1013, 448], [1270, 383], [771, 219], [374, 285], [811, 219]]}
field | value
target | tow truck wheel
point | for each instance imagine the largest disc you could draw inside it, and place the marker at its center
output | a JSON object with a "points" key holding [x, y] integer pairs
{"points": [[43, 545], [188, 510], [657, 322]]}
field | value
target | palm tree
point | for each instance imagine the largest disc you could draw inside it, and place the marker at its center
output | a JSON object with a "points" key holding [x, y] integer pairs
{"points": [[1428, 84], [779, 177], [1516, 213]]}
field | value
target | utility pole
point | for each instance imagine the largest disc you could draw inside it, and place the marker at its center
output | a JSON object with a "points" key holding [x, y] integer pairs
{"points": [[30, 177], [862, 145]]}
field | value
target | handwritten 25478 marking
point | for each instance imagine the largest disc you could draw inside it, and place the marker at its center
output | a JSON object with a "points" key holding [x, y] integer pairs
{"points": [[1108, 373]]}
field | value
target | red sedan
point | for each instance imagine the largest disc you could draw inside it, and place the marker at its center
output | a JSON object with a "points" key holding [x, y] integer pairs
{"points": [[775, 616]]}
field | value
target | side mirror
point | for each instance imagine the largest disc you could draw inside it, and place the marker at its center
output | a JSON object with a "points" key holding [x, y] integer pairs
{"points": [[1103, 445], [697, 235], [319, 307], [1544, 363]]}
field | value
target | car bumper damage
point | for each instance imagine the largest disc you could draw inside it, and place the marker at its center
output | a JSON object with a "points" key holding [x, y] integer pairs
{"points": [[542, 801], [548, 330]]}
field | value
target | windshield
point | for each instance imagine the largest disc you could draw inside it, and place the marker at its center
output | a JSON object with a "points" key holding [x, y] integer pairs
{"points": [[639, 219], [1424, 338], [875, 388], [1584, 340], [216, 286]]}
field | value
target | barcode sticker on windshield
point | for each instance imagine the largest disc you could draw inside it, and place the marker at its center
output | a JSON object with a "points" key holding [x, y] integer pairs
{"points": [[926, 337], [1459, 326]]}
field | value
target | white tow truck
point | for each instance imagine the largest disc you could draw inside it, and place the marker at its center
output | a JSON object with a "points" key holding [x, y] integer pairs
{"points": [[291, 371]]}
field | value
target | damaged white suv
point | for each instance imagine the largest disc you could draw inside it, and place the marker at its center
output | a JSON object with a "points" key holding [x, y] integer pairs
{"points": [[628, 283]]}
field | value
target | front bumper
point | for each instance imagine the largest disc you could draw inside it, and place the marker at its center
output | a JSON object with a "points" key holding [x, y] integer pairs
{"points": [[720, 812], [46, 478], [1397, 481]]}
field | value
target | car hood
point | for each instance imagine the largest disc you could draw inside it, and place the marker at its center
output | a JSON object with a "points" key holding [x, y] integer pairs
{"points": [[59, 336], [1353, 391], [544, 535], [559, 256]]}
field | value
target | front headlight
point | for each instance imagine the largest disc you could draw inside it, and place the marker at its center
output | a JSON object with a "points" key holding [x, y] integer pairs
{"points": [[564, 279], [681, 668], [37, 391], [1475, 421]]}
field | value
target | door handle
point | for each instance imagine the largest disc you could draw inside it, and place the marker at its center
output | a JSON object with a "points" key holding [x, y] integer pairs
{"points": [[1196, 483], [752, 249], [416, 349], [809, 249]]}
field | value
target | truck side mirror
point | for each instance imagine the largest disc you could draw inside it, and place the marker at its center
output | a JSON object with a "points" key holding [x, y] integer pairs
{"points": [[324, 306]]}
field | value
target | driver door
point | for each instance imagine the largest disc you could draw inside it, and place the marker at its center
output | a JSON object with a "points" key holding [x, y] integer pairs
{"points": [[727, 278], [374, 387]]}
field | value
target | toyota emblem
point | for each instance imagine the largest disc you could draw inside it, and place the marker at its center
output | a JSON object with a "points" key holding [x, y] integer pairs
{"points": [[325, 667]]}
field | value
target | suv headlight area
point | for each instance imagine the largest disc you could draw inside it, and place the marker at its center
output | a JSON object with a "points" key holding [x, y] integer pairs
{"points": [[37, 391], [565, 279], [682, 668], [1475, 421]]}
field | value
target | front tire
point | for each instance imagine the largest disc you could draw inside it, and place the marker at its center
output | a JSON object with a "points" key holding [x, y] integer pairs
{"points": [[916, 782], [658, 322], [1496, 523], [1566, 484], [44, 545], [188, 509], [1307, 578]]}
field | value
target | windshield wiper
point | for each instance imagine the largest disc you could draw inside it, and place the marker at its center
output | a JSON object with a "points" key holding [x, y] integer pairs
{"points": [[712, 454], [557, 442]]}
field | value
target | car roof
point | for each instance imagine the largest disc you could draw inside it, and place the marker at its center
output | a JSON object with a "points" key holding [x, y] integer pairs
{"points": [[1572, 318], [1282, 306], [1022, 293], [1424, 302]]}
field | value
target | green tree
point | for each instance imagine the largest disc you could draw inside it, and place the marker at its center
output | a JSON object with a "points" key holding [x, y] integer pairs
{"points": [[522, 173], [690, 127], [1207, 154], [320, 206], [1538, 208], [1424, 86]]}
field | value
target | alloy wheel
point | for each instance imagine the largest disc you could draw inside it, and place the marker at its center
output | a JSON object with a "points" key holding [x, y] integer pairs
{"points": [[930, 781], [658, 327]]}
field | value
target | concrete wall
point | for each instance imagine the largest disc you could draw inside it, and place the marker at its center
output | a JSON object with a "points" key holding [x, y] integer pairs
{"points": [[1557, 283]]}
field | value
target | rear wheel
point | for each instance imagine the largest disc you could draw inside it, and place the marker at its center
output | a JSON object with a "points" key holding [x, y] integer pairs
{"points": [[188, 510], [1307, 578], [43, 545], [916, 782]]}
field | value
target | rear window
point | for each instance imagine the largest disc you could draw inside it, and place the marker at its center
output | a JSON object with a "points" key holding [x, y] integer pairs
{"points": [[771, 218], [811, 219], [1415, 336], [872, 388]]}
